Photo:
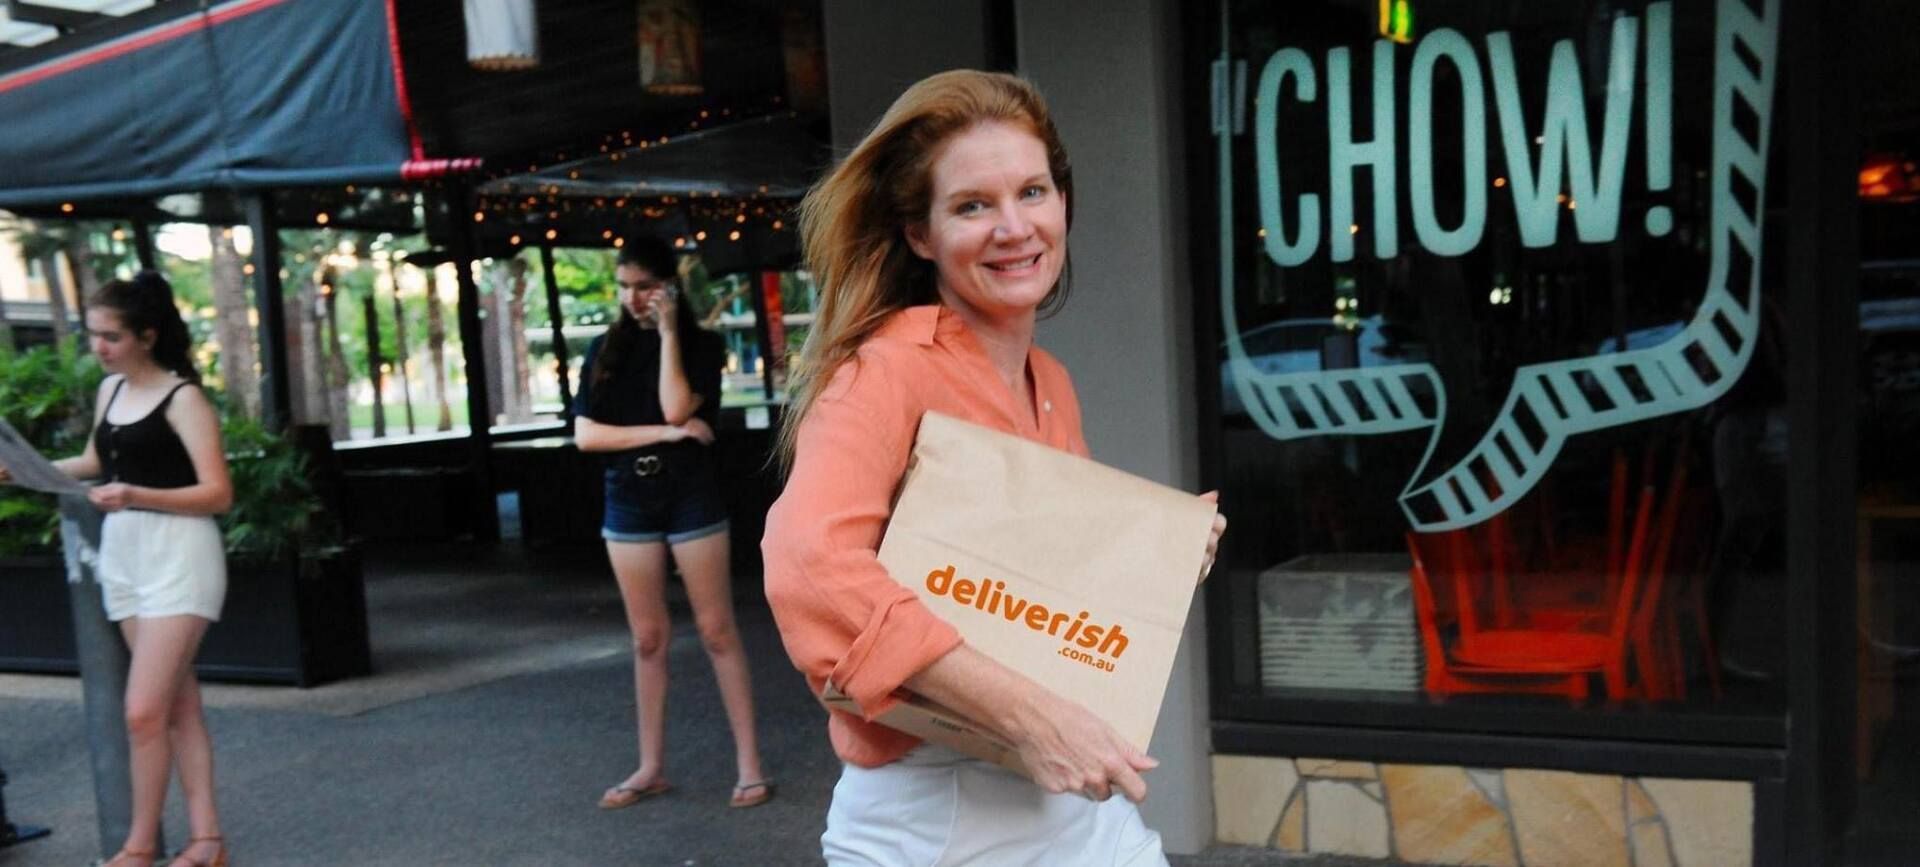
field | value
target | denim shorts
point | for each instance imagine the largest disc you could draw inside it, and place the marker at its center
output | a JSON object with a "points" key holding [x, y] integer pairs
{"points": [[678, 503]]}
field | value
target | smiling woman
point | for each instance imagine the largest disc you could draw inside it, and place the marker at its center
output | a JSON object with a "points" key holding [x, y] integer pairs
{"points": [[936, 244]]}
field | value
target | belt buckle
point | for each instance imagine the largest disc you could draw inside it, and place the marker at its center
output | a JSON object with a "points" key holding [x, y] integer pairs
{"points": [[647, 465]]}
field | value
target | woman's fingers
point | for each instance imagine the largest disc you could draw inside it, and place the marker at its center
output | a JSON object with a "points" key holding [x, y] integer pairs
{"points": [[1075, 751], [1130, 784]]}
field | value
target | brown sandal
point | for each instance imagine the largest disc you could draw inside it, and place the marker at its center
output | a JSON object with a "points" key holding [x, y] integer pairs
{"points": [[219, 857]]}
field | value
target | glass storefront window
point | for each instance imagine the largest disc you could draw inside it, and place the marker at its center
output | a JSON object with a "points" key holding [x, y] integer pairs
{"points": [[1886, 762], [1500, 358]]}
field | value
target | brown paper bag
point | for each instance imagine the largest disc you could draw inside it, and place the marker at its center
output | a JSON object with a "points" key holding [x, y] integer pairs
{"points": [[1075, 574]]}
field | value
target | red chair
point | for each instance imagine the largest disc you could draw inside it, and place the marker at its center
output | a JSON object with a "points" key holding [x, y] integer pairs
{"points": [[1446, 677], [1557, 657]]}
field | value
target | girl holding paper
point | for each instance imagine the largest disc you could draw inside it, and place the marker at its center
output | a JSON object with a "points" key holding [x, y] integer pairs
{"points": [[937, 242], [162, 566]]}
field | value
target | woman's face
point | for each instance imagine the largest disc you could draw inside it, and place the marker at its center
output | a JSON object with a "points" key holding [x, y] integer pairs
{"points": [[996, 230], [118, 348], [640, 289]]}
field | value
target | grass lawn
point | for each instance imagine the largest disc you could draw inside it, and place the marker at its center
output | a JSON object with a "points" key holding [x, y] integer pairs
{"points": [[426, 416]]}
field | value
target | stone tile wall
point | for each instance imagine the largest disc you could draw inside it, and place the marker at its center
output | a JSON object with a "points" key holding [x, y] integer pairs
{"points": [[1501, 817]]}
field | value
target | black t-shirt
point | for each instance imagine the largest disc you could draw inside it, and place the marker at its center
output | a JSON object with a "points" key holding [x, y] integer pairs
{"points": [[631, 396]]}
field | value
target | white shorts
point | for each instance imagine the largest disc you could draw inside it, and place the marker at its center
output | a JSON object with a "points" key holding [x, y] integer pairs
{"points": [[158, 564], [937, 807]]}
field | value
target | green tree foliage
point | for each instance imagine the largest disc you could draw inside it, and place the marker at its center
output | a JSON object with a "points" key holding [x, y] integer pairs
{"points": [[46, 394]]}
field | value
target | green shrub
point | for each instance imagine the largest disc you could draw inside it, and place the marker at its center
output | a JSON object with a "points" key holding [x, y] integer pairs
{"points": [[275, 511], [47, 394]]}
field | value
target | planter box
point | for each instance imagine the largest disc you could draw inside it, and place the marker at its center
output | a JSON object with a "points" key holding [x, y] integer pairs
{"points": [[1339, 621], [294, 621], [36, 626], [301, 622]]}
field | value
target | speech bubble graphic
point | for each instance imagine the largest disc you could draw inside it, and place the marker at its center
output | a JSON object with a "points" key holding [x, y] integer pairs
{"points": [[1548, 402]]}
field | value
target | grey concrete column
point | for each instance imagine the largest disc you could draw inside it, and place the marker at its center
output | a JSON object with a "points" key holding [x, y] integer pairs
{"points": [[103, 676], [1111, 77]]}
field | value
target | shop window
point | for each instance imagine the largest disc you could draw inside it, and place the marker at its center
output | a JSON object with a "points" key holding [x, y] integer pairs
{"points": [[1887, 520], [1499, 358]]}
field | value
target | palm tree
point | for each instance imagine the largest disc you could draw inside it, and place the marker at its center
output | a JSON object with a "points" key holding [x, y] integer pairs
{"points": [[233, 322], [437, 350]]}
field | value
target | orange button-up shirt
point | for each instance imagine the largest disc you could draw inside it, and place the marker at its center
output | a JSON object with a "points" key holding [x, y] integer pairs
{"points": [[842, 617]]}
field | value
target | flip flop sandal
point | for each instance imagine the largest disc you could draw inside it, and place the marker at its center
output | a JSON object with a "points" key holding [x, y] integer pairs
{"points": [[626, 796], [762, 793]]}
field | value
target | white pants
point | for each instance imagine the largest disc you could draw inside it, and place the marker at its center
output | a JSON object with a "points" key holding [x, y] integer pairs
{"points": [[937, 807]]}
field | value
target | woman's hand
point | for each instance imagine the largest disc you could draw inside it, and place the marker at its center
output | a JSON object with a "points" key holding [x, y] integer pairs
{"points": [[1068, 749], [665, 308], [1213, 541], [697, 430], [111, 497]]}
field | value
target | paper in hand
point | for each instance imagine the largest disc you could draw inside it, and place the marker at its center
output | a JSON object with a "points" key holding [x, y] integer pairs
{"points": [[29, 469]]}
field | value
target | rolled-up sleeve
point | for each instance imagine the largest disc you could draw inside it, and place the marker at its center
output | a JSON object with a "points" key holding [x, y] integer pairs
{"points": [[842, 617]]}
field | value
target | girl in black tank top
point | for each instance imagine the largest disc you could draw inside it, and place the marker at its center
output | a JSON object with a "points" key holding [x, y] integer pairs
{"points": [[147, 452], [161, 565]]}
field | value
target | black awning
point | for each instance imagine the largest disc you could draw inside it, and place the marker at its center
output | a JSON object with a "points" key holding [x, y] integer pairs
{"points": [[244, 94]]}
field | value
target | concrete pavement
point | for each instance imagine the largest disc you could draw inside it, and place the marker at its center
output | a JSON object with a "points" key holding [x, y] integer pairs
{"points": [[501, 708]]}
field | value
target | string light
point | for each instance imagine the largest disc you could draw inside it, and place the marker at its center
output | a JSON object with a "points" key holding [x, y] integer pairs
{"points": [[66, 207], [479, 216], [552, 234], [322, 218], [733, 235], [515, 240]]}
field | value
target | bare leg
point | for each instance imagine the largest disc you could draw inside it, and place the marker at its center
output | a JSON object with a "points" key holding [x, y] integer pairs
{"points": [[704, 565], [163, 649], [641, 569], [193, 761]]}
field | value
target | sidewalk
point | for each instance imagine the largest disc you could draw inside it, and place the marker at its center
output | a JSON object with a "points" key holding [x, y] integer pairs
{"points": [[502, 706]]}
